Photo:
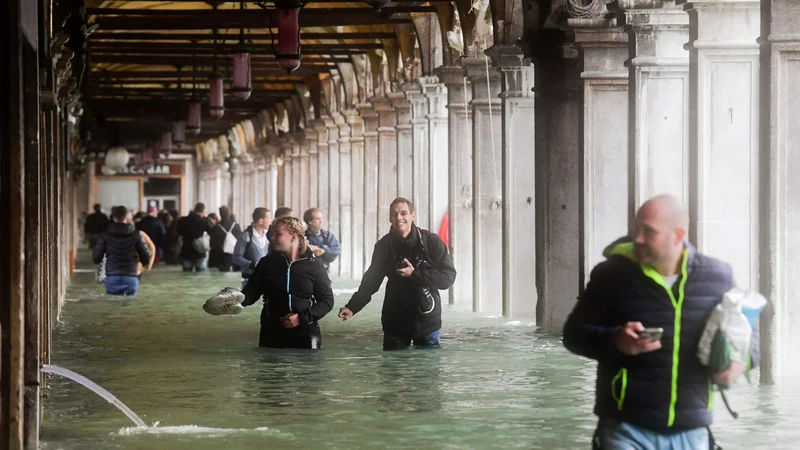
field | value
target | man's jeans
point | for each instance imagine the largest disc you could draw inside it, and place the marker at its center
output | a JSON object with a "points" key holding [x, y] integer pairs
{"points": [[391, 342], [616, 435], [199, 265], [121, 285]]}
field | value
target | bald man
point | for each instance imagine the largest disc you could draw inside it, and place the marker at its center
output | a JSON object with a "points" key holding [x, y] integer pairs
{"points": [[641, 317]]}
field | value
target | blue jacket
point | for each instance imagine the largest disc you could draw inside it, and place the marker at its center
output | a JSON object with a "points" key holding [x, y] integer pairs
{"points": [[246, 254], [667, 389], [327, 241]]}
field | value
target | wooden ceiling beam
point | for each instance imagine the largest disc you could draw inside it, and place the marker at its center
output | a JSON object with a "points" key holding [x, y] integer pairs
{"points": [[132, 47], [228, 15], [253, 19], [129, 36], [205, 61], [187, 76]]}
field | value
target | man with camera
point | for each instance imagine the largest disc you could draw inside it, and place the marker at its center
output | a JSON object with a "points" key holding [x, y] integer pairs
{"points": [[641, 317], [418, 265]]}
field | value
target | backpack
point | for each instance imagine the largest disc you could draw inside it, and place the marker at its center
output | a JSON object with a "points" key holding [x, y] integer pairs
{"points": [[230, 240], [202, 244]]}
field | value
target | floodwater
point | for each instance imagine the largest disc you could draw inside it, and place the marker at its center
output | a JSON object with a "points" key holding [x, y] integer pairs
{"points": [[202, 383]]}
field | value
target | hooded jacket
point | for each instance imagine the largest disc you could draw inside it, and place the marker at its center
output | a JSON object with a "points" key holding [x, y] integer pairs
{"points": [[433, 268], [326, 241], [301, 287], [124, 247], [667, 389]]}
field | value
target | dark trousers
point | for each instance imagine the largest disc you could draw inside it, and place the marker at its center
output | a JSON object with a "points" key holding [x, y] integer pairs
{"points": [[274, 335], [393, 342]]}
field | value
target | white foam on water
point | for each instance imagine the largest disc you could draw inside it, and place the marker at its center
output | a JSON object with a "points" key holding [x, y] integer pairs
{"points": [[344, 291], [496, 316], [85, 270], [188, 429]]}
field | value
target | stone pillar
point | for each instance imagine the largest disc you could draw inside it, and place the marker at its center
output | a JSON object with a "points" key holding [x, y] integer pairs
{"points": [[405, 148], [387, 158], [558, 227], [370, 119], [296, 184], [313, 166], [323, 165], [305, 167], [604, 126], [438, 164], [724, 135], [519, 181], [272, 182], [357, 176], [422, 169], [286, 148], [345, 259], [459, 113], [658, 100], [486, 175], [334, 177], [780, 323]]}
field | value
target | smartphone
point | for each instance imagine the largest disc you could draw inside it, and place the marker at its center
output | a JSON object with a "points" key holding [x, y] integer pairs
{"points": [[654, 334], [401, 265]]}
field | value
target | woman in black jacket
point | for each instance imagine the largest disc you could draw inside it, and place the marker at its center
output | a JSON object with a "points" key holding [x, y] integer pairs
{"points": [[296, 290]]}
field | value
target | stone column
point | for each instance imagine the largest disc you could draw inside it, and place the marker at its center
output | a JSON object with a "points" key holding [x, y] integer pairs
{"points": [[486, 175], [323, 165], [387, 158], [370, 119], [356, 247], [313, 166], [438, 164], [334, 178], [272, 182], [296, 185], [305, 167], [405, 148], [780, 323], [604, 172], [658, 100], [421, 152], [345, 259], [724, 201], [519, 181], [286, 148], [558, 227], [459, 113]]}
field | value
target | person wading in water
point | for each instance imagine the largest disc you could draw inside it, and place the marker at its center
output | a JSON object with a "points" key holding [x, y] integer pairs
{"points": [[296, 290]]}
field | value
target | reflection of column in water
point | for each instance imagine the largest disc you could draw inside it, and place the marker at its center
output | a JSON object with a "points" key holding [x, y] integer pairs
{"points": [[410, 382]]}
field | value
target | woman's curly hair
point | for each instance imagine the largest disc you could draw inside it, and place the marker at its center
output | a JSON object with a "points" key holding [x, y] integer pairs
{"points": [[293, 226]]}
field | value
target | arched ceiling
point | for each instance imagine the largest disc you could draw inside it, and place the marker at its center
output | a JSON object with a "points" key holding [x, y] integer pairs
{"points": [[138, 52]]}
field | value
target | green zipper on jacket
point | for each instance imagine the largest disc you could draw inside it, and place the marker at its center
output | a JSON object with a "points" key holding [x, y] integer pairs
{"points": [[676, 339], [623, 374]]}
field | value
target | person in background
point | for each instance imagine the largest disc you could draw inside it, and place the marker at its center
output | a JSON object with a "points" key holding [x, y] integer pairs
{"points": [[253, 243], [283, 211], [418, 265], [191, 228], [217, 256], [173, 242], [123, 247], [95, 223], [298, 290], [322, 243], [155, 230], [213, 218]]}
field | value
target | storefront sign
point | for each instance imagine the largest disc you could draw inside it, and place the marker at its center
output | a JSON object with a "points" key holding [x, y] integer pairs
{"points": [[163, 169]]}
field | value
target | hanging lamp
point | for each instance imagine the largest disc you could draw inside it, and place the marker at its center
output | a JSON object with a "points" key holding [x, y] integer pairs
{"points": [[241, 86], [287, 54], [194, 115], [216, 94]]}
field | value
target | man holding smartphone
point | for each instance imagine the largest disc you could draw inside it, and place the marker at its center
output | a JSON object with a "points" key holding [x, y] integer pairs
{"points": [[418, 265], [641, 317]]}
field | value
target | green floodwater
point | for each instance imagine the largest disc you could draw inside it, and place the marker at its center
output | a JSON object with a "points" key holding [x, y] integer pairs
{"points": [[204, 384]]}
